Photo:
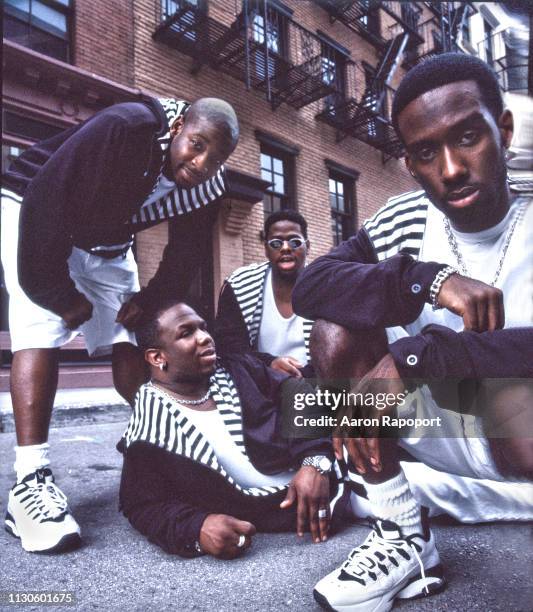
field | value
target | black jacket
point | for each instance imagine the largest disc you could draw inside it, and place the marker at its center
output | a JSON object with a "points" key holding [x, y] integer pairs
{"points": [[167, 493], [81, 188]]}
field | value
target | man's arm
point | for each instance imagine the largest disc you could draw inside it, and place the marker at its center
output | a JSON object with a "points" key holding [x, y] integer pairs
{"points": [[152, 508], [182, 257], [231, 333], [367, 293], [67, 191], [439, 352], [149, 499]]}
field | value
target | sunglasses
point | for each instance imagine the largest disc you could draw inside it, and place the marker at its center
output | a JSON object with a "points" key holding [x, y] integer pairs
{"points": [[277, 243]]}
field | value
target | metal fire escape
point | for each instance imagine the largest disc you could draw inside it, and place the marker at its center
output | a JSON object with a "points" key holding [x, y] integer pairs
{"points": [[364, 112], [263, 48]]}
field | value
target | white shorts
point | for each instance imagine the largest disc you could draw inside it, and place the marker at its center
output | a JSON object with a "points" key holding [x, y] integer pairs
{"points": [[457, 445], [106, 283]]}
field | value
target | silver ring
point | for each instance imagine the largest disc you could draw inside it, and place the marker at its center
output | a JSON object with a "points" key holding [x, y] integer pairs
{"points": [[322, 513], [242, 541]]}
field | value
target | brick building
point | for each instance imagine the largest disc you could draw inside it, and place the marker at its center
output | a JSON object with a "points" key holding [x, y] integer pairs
{"points": [[311, 81]]}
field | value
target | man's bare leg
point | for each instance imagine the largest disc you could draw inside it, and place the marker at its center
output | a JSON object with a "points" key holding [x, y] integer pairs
{"points": [[129, 370], [338, 353], [508, 426], [33, 387]]}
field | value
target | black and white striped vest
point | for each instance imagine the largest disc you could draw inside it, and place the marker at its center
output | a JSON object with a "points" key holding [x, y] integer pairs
{"points": [[248, 285], [400, 225], [157, 419], [178, 200]]}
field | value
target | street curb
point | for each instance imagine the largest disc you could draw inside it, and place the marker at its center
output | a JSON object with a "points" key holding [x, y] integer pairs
{"points": [[63, 416]]}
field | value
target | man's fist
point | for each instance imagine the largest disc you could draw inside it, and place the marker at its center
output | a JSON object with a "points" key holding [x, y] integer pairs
{"points": [[81, 311], [480, 305], [288, 365], [129, 315], [220, 535]]}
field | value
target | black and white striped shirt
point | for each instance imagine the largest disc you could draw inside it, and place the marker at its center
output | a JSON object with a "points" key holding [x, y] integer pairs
{"points": [[248, 284], [157, 419]]}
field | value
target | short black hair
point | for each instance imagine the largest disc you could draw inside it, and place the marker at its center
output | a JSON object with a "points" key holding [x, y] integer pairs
{"points": [[441, 70], [148, 330], [285, 215], [219, 113]]}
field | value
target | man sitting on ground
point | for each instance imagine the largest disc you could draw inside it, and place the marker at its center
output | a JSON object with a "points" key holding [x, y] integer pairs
{"points": [[452, 265], [205, 463]]}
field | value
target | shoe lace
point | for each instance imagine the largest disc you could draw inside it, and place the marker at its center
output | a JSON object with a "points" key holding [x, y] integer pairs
{"points": [[367, 560], [49, 499]]}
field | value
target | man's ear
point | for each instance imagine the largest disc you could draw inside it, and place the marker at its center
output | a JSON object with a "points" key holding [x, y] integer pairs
{"points": [[155, 357], [177, 126], [506, 127]]}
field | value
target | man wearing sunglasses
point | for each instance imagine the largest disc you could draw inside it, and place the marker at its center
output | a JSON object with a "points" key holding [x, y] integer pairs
{"points": [[255, 306]]}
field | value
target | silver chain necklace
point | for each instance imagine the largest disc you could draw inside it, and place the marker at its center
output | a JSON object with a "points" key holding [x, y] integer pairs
{"points": [[459, 257], [195, 402]]}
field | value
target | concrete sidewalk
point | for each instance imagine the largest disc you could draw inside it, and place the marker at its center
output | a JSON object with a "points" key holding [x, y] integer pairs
{"points": [[489, 567]]}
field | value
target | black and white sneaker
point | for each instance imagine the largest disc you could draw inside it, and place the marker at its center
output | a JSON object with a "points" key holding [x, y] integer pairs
{"points": [[38, 514], [386, 566]]}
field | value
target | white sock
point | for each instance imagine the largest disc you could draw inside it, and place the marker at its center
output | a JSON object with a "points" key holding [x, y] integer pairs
{"points": [[392, 500], [30, 458]]}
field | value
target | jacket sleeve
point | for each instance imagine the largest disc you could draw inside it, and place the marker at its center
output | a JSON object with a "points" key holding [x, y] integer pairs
{"points": [[182, 258], [148, 500], [348, 286], [231, 333], [65, 192], [439, 352]]}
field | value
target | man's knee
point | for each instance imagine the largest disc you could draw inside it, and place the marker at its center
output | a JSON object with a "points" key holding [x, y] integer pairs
{"points": [[337, 352], [513, 457]]}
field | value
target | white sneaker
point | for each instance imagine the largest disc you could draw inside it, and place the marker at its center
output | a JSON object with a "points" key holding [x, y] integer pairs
{"points": [[38, 514], [387, 565]]}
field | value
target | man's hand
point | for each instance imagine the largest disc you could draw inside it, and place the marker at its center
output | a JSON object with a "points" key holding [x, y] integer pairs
{"points": [[383, 378], [480, 305], [310, 490], [81, 311], [289, 365], [129, 315], [220, 535]]}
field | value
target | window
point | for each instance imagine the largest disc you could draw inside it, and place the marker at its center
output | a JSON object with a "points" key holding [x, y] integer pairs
{"points": [[487, 43], [333, 73], [277, 168], [341, 189], [465, 30], [41, 25], [187, 21], [274, 31], [370, 17], [372, 103]]}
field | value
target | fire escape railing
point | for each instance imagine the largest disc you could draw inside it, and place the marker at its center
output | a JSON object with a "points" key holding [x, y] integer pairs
{"points": [[362, 111], [265, 49], [509, 59], [372, 19]]}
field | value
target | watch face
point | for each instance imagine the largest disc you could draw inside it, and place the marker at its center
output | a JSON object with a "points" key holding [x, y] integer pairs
{"points": [[324, 464]]}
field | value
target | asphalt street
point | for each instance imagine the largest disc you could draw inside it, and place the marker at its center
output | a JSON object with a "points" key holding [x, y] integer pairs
{"points": [[489, 567]]}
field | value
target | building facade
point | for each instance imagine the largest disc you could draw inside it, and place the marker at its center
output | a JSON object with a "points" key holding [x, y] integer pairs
{"points": [[311, 82]]}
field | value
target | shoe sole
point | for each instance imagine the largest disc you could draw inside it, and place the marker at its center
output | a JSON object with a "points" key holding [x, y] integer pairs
{"points": [[414, 589], [68, 542]]}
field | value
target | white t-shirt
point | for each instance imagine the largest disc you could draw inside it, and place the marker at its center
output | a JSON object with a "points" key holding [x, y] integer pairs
{"points": [[461, 446], [277, 335], [211, 424]]}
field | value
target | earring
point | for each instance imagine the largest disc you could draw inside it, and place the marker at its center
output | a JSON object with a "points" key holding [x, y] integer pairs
{"points": [[163, 366]]}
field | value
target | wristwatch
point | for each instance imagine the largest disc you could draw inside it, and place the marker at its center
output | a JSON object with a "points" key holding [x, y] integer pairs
{"points": [[320, 462]]}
